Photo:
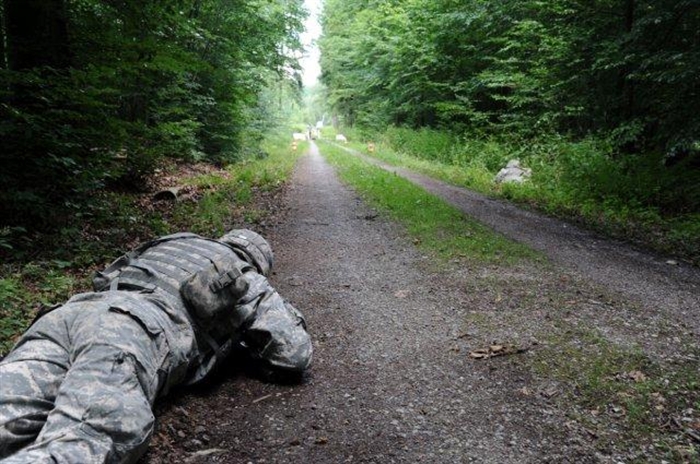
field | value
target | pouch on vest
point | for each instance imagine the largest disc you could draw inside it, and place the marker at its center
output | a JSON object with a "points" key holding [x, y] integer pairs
{"points": [[215, 290]]}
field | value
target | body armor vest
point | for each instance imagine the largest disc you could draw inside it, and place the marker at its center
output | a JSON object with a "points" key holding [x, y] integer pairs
{"points": [[163, 267]]}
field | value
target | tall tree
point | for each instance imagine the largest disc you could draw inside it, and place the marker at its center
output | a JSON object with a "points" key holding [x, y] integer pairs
{"points": [[98, 91], [624, 69]]}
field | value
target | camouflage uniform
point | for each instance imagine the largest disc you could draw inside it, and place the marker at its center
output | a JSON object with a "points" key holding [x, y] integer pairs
{"points": [[79, 385]]}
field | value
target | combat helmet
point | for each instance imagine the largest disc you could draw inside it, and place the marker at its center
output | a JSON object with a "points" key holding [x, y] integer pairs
{"points": [[255, 248]]}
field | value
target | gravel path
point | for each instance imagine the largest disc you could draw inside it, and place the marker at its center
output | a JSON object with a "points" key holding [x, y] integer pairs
{"points": [[391, 380]]}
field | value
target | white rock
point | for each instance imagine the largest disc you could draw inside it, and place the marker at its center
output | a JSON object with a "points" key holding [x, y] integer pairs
{"points": [[513, 173]]}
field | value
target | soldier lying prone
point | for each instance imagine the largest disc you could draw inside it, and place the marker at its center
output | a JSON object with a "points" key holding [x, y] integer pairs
{"points": [[80, 383]]}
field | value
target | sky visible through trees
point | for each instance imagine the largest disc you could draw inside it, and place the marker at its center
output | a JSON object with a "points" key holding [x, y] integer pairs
{"points": [[310, 63]]}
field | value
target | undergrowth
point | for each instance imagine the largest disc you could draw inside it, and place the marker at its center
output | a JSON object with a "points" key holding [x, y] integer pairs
{"points": [[43, 270], [636, 197], [432, 223]]}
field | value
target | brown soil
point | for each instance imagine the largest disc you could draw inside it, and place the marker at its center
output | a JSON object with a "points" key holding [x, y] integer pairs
{"points": [[392, 380]]}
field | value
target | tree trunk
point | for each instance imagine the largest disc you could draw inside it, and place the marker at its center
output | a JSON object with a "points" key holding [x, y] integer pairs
{"points": [[36, 33], [3, 38], [628, 85], [629, 15]]}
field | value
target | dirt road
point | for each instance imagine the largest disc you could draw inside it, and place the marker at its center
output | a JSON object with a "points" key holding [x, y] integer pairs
{"points": [[672, 287], [392, 380]]}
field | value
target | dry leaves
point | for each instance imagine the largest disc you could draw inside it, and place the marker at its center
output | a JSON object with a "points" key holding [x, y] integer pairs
{"points": [[495, 350], [637, 376]]}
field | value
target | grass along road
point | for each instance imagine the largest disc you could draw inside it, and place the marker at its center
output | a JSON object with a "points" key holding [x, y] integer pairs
{"points": [[665, 287]]}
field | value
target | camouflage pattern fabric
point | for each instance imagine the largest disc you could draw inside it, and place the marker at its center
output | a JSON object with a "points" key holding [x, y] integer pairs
{"points": [[79, 385]]}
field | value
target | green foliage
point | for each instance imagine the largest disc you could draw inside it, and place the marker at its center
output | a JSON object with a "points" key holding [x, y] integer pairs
{"points": [[635, 196], [136, 82], [36, 285], [424, 143], [623, 69], [12, 320]]}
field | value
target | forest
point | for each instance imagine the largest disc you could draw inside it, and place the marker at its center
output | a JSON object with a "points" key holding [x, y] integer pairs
{"points": [[95, 94], [599, 97]]}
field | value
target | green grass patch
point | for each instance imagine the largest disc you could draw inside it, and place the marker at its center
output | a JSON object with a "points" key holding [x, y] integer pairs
{"points": [[225, 195], [618, 389], [26, 290], [476, 177], [44, 270], [432, 223]]}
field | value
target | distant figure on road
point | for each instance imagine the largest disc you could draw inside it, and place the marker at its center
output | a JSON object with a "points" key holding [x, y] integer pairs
{"points": [[79, 385]]}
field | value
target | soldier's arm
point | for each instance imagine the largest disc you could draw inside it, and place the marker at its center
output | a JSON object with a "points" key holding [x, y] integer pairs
{"points": [[276, 331]]}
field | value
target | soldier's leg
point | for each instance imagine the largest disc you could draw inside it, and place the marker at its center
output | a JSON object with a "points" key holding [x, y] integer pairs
{"points": [[103, 408], [30, 378]]}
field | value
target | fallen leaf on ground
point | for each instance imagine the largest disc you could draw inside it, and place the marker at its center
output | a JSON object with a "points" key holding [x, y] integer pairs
{"points": [[479, 354], [637, 376], [495, 350], [200, 454]]}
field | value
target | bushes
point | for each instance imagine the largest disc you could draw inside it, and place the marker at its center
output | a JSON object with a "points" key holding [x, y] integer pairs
{"points": [[132, 83], [424, 143], [584, 171], [636, 196]]}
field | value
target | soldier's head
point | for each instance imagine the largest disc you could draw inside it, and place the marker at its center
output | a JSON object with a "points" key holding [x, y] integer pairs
{"points": [[252, 246]]}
